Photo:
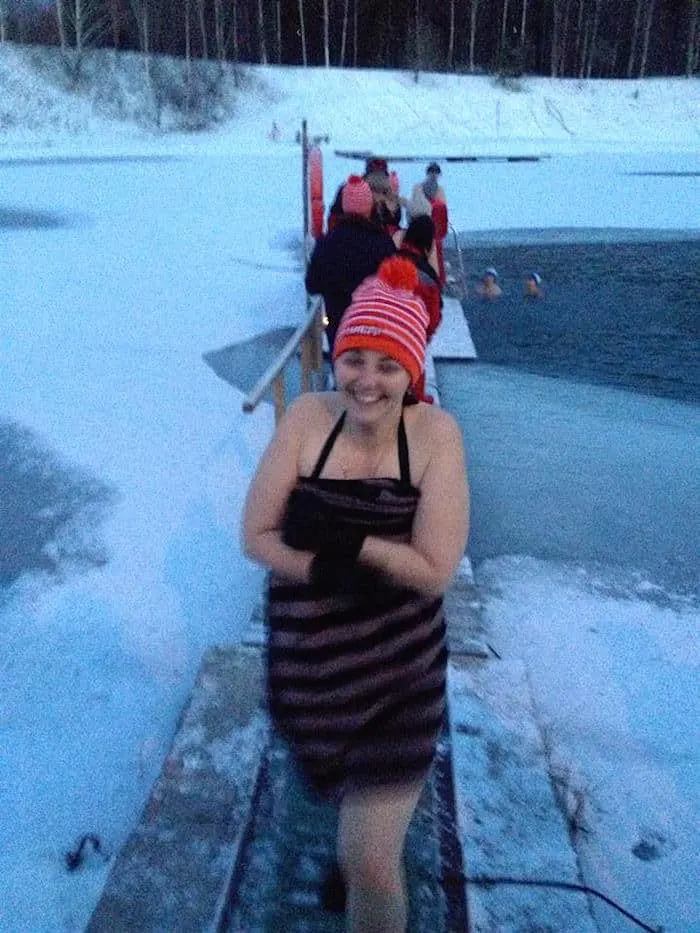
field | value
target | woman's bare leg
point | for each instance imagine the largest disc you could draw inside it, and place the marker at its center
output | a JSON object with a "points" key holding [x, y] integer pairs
{"points": [[371, 835]]}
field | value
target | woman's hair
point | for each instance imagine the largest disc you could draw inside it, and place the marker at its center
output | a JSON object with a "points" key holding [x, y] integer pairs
{"points": [[420, 233]]}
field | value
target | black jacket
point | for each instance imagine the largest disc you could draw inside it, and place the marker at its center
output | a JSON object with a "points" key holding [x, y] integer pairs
{"points": [[341, 260]]}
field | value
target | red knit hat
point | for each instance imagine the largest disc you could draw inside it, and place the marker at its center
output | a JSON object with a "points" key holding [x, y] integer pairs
{"points": [[357, 197], [385, 316]]}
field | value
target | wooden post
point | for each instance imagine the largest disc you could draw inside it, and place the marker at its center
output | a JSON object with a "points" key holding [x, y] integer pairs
{"points": [[278, 396], [306, 361]]}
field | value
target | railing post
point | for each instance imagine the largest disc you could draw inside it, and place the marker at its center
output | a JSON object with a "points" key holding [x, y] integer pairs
{"points": [[278, 396]]}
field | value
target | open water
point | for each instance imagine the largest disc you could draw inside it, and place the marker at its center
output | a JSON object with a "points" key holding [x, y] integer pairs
{"points": [[581, 416]]}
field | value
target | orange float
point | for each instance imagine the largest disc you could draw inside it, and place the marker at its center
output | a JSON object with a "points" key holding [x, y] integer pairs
{"points": [[315, 169], [317, 212]]}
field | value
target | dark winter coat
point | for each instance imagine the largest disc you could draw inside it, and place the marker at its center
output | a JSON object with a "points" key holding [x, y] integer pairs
{"points": [[341, 260]]}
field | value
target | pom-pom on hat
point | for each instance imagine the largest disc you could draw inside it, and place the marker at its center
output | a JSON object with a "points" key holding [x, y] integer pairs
{"points": [[357, 197], [384, 315]]}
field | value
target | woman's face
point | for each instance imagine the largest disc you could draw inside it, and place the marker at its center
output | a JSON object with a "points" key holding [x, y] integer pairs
{"points": [[373, 383]]}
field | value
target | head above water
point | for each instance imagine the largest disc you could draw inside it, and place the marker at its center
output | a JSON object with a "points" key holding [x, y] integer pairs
{"points": [[385, 316]]}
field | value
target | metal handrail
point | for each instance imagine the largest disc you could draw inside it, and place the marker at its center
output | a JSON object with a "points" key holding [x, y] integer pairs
{"points": [[462, 270], [306, 337]]}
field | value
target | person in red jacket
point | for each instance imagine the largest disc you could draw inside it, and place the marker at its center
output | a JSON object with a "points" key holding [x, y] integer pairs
{"points": [[417, 245], [435, 194]]}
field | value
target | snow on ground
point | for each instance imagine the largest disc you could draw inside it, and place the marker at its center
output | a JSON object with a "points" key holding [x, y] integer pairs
{"points": [[118, 276]]}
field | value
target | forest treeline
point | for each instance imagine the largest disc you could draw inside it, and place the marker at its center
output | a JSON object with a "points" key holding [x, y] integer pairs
{"points": [[559, 38]]}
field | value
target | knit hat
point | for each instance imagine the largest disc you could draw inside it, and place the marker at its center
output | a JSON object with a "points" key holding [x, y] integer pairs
{"points": [[357, 197], [536, 278], [491, 271], [433, 169], [385, 316]]}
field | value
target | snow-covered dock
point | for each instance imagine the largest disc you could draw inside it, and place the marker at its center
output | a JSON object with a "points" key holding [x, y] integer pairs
{"points": [[229, 840]]}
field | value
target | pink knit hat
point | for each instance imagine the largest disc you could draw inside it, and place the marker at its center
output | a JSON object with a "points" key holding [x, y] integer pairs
{"points": [[385, 316], [357, 197]]}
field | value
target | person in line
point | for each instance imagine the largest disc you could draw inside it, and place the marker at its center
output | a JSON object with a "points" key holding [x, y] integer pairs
{"points": [[488, 287], [373, 166], [417, 246], [348, 511], [433, 193], [348, 254], [387, 205], [533, 285]]}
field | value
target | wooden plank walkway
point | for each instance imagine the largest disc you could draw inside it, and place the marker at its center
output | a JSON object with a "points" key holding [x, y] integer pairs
{"points": [[452, 340], [230, 842]]}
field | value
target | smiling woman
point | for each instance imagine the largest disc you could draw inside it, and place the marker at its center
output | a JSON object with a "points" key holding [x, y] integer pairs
{"points": [[347, 509]]}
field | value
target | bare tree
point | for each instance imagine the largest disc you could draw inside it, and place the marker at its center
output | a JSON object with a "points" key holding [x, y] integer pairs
{"points": [[354, 36], [451, 43], [556, 38], [473, 11], [523, 23], [279, 32], [302, 33], [142, 14], [261, 33], [593, 40], [203, 28], [344, 34], [635, 34], [61, 19], [3, 20], [326, 48], [692, 51], [504, 27], [647, 33]]}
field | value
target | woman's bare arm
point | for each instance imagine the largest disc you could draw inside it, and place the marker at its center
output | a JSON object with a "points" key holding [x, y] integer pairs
{"points": [[441, 524], [273, 481]]}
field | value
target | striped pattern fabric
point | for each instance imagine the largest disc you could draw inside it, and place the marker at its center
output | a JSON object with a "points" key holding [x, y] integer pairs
{"points": [[386, 319], [356, 680]]}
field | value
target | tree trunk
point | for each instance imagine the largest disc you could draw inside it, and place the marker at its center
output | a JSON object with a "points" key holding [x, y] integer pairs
{"points": [[555, 39], [504, 27], [279, 32], [302, 33], [523, 23], [451, 45], [326, 48], [416, 47], [594, 38], [474, 9], [116, 23], [647, 33], [344, 34], [693, 47], [61, 19], [354, 36], [261, 31], [635, 33], [3, 21], [580, 47], [203, 28], [234, 31]]}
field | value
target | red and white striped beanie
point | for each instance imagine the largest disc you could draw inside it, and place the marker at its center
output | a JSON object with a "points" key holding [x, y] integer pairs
{"points": [[384, 315], [357, 197]]}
